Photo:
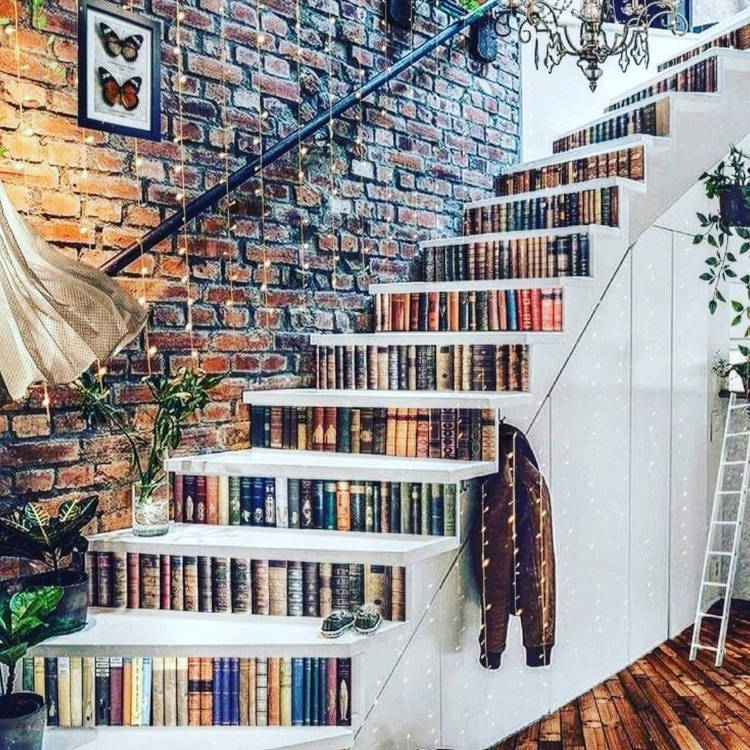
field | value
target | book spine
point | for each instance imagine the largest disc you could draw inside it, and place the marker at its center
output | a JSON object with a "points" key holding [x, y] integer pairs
{"points": [[76, 690], [63, 690], [344, 690], [241, 586], [274, 690], [206, 694], [170, 691], [115, 691], [136, 691], [102, 707], [234, 691], [119, 579], [261, 692], [298, 676], [194, 691], [157, 691], [88, 687]]}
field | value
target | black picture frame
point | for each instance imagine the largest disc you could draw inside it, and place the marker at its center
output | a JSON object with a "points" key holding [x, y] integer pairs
{"points": [[97, 65]]}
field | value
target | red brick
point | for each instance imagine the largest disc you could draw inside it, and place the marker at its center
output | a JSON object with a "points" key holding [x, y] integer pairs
{"points": [[30, 425], [34, 480]]}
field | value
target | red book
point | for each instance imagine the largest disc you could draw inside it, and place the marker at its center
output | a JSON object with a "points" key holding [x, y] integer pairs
{"points": [[557, 309], [134, 577], [433, 311], [331, 692], [115, 691], [548, 320], [536, 309], [200, 499], [318, 430], [329, 428], [414, 312], [523, 305], [166, 582], [212, 500], [502, 311], [176, 504]]}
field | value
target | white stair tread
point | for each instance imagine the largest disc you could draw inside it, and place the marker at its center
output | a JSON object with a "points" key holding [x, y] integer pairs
{"points": [[269, 462], [200, 738], [722, 53], [423, 287], [153, 632], [438, 338], [467, 239], [313, 545], [624, 183], [385, 398], [615, 144]]}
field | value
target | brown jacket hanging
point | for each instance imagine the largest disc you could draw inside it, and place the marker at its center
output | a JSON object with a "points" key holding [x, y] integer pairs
{"points": [[514, 558]]}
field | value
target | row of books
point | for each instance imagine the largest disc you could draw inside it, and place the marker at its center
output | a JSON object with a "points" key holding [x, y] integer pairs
{"points": [[463, 434], [424, 368], [261, 587], [538, 309], [380, 507], [652, 119], [528, 257], [699, 77], [595, 206], [626, 162], [185, 691], [736, 39]]}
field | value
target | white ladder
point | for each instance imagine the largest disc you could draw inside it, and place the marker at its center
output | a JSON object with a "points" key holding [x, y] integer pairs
{"points": [[718, 524]]}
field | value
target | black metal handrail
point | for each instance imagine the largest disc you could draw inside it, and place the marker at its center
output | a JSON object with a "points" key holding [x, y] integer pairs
{"points": [[211, 197]]}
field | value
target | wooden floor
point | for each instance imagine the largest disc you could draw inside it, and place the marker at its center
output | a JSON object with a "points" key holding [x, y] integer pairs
{"points": [[661, 701]]}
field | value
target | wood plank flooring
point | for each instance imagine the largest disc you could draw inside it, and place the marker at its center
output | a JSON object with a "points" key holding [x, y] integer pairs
{"points": [[661, 702]]}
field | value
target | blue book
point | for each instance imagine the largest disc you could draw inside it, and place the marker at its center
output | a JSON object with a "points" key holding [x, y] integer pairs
{"points": [[314, 691], [269, 499], [298, 680], [319, 510], [322, 684], [258, 501], [216, 693], [146, 694], [510, 306], [224, 692], [306, 691], [234, 691], [246, 500]]}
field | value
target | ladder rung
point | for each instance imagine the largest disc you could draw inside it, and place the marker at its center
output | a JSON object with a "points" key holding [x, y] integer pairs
{"points": [[714, 583], [712, 617], [728, 492], [736, 434], [725, 523], [733, 463], [739, 406], [719, 553], [705, 648]]}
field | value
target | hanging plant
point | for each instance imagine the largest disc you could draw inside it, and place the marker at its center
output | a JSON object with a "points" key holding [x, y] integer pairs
{"points": [[732, 188]]}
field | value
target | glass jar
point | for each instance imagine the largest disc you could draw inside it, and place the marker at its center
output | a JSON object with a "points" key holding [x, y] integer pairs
{"points": [[151, 509]]}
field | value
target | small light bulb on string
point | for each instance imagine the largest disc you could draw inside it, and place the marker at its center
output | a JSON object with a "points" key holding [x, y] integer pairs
{"points": [[261, 191]]}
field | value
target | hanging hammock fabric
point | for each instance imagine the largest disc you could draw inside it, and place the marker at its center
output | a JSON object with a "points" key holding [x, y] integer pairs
{"points": [[57, 316]]}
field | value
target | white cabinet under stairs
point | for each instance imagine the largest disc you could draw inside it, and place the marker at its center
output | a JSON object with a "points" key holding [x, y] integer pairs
{"points": [[667, 172]]}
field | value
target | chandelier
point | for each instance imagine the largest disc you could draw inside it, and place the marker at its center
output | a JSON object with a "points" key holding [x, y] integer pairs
{"points": [[593, 44]]}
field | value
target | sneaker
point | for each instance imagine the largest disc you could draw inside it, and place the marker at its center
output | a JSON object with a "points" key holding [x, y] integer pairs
{"points": [[367, 619], [337, 623]]}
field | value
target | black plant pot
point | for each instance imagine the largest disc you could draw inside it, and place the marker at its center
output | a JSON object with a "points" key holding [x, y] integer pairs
{"points": [[735, 208], [72, 611], [22, 719]]}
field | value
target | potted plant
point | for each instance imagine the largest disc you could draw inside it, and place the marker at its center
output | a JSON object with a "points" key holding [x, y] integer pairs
{"points": [[176, 398], [719, 230], [22, 624], [32, 532]]}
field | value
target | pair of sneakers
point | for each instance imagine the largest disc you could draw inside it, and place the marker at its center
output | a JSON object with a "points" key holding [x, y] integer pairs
{"points": [[365, 620]]}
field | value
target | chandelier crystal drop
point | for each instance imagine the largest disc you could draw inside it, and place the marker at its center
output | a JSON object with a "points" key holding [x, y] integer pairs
{"points": [[594, 43]]}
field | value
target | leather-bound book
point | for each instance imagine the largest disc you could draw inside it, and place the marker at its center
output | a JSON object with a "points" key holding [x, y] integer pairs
{"points": [[190, 583], [150, 587], [415, 505], [194, 691], [366, 430], [212, 500], [220, 584], [374, 586], [304, 425], [199, 514], [309, 589], [340, 586], [104, 579], [411, 433], [329, 428], [379, 431], [331, 706], [398, 590], [257, 501], [223, 501], [435, 451], [91, 558], [343, 505], [205, 587], [241, 587], [277, 427], [165, 582], [402, 431], [387, 368], [188, 498], [447, 433], [488, 429], [285, 692], [181, 681], [206, 691], [235, 505], [274, 692], [119, 575], [318, 429], [372, 506], [356, 495], [342, 432], [277, 587], [344, 691], [444, 365], [360, 367], [306, 509], [295, 593], [269, 502], [384, 498], [293, 494], [243, 691], [260, 585], [261, 692], [246, 500], [390, 432], [449, 509], [176, 584], [356, 431], [325, 592]]}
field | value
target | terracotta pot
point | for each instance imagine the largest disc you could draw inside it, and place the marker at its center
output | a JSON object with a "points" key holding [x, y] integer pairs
{"points": [[22, 720]]}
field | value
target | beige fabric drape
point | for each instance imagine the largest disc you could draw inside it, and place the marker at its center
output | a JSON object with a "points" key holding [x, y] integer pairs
{"points": [[57, 316]]}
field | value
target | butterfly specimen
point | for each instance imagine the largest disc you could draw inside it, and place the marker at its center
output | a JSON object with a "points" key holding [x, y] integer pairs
{"points": [[115, 46], [125, 94]]}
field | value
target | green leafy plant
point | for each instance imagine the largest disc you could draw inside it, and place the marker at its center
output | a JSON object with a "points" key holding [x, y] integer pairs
{"points": [[716, 232], [176, 398], [22, 624], [33, 533], [37, 11]]}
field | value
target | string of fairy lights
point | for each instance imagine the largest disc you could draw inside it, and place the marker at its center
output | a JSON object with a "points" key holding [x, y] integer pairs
{"points": [[260, 192]]}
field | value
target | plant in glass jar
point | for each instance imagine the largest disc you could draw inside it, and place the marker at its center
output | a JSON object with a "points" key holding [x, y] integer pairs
{"points": [[176, 398]]}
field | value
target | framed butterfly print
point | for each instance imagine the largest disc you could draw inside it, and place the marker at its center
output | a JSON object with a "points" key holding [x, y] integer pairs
{"points": [[119, 70]]}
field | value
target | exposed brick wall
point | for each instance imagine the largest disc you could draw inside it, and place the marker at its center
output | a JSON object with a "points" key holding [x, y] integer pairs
{"points": [[432, 140]]}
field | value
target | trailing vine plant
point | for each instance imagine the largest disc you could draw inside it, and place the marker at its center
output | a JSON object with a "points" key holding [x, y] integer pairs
{"points": [[716, 231]]}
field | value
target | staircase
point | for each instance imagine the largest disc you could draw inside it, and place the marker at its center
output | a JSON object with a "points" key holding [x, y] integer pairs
{"points": [[417, 402]]}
